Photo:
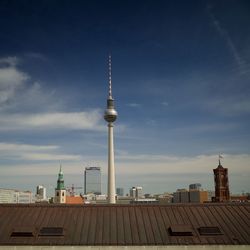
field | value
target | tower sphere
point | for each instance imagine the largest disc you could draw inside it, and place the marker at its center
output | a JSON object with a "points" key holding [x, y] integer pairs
{"points": [[110, 115]]}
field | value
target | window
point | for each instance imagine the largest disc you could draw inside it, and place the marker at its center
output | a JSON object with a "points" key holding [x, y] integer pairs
{"points": [[180, 230], [22, 232], [51, 231], [209, 231]]}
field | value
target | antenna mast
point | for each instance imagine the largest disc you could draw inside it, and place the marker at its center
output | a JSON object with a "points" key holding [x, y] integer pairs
{"points": [[110, 78]]}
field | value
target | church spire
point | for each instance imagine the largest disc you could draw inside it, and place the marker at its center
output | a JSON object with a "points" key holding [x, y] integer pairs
{"points": [[60, 191], [60, 180]]}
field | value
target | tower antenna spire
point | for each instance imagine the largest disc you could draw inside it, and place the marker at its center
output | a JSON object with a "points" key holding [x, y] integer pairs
{"points": [[110, 77]]}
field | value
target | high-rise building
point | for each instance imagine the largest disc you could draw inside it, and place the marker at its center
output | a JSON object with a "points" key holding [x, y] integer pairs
{"points": [[136, 192], [139, 193], [132, 192], [120, 191], [199, 196], [60, 191], [110, 116], [221, 183], [92, 180], [41, 192], [193, 195], [195, 186]]}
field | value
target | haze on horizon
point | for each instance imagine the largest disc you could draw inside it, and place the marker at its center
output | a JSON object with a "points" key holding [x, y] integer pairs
{"points": [[180, 73]]}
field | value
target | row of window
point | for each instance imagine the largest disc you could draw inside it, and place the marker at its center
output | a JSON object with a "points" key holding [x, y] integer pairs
{"points": [[44, 231], [175, 230], [185, 230]]}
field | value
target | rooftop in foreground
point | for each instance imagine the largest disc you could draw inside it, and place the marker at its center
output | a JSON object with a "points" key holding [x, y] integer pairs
{"points": [[174, 224]]}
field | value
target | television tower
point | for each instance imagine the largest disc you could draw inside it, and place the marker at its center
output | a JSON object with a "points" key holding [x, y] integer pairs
{"points": [[110, 116]]}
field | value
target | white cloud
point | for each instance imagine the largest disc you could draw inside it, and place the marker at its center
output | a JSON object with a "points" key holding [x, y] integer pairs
{"points": [[204, 128], [12, 151], [9, 61], [43, 168], [134, 105], [12, 147], [11, 79], [37, 56], [18, 91], [156, 164], [90, 120], [51, 157], [137, 165], [151, 122], [164, 103], [242, 64], [25, 105], [230, 106]]}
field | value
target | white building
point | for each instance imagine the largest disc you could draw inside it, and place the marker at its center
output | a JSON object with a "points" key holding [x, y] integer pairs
{"points": [[136, 192], [139, 193], [24, 197], [15, 196], [132, 192], [41, 192]]}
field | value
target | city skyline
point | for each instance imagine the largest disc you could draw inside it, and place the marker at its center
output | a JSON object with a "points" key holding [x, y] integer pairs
{"points": [[180, 74]]}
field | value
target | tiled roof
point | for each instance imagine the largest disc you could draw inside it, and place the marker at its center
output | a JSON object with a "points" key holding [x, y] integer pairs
{"points": [[175, 224], [74, 200]]}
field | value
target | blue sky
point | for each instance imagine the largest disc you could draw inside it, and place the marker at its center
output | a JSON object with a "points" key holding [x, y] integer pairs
{"points": [[180, 73]]}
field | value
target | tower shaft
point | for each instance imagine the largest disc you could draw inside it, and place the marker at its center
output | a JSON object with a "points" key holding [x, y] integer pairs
{"points": [[111, 165]]}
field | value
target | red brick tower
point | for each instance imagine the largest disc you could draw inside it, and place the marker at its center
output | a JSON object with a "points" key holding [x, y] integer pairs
{"points": [[221, 184]]}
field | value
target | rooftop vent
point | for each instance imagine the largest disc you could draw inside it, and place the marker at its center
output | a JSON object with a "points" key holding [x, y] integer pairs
{"points": [[209, 231], [22, 232], [51, 231], [180, 230]]}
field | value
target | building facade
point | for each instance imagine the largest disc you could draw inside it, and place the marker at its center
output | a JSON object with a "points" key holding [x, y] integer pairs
{"points": [[41, 192], [120, 191], [221, 184], [132, 192], [15, 196], [92, 180], [195, 186], [136, 192], [60, 191], [191, 196]]}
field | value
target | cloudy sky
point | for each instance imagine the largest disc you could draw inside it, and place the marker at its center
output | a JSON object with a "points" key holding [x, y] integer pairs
{"points": [[181, 83]]}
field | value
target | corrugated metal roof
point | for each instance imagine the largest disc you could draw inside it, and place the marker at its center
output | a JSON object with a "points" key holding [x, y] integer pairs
{"points": [[124, 224]]}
